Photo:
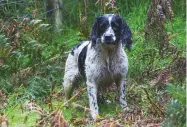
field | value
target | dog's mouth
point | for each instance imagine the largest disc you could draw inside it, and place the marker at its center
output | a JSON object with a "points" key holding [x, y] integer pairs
{"points": [[108, 42], [111, 42], [108, 39]]}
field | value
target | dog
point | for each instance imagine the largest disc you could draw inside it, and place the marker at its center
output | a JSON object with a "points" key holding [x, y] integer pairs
{"points": [[102, 61]]}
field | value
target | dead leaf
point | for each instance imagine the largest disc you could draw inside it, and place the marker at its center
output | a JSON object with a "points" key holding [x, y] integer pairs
{"points": [[3, 121], [58, 120]]}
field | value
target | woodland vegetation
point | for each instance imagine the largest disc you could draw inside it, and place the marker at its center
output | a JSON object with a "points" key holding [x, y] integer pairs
{"points": [[36, 36]]}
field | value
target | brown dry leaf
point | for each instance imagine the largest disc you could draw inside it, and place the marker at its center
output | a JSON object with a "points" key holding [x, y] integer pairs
{"points": [[3, 121], [3, 99], [175, 69], [111, 5], [153, 125], [112, 122], [58, 120], [164, 77], [150, 122], [103, 123], [158, 13], [33, 107], [34, 12], [1, 62]]}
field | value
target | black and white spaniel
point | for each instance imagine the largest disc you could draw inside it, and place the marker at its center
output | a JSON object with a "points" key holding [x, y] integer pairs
{"points": [[102, 61]]}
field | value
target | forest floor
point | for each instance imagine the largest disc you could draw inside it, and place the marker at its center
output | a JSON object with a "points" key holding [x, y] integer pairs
{"points": [[28, 113]]}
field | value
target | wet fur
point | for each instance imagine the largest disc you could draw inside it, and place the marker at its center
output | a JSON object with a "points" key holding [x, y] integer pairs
{"points": [[101, 61]]}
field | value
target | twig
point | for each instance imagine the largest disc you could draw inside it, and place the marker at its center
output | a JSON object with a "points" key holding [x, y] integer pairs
{"points": [[173, 35], [153, 104], [17, 94], [35, 4], [12, 109], [81, 107], [84, 121], [60, 106], [72, 98]]}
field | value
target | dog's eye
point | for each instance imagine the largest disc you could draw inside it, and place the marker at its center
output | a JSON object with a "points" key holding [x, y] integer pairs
{"points": [[103, 25], [115, 25]]}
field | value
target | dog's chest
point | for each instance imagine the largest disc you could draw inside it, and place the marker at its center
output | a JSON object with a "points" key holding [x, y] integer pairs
{"points": [[104, 68], [117, 65]]}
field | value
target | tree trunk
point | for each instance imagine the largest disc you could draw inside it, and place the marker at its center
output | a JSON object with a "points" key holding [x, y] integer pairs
{"points": [[54, 13], [58, 15], [49, 9]]}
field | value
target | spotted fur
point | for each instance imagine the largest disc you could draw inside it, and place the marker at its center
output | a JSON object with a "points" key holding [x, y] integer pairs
{"points": [[102, 61]]}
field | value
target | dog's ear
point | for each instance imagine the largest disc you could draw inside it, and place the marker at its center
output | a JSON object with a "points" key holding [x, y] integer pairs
{"points": [[126, 35], [94, 33]]}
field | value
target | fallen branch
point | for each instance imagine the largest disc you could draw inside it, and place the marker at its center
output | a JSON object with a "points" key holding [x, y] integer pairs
{"points": [[81, 107], [86, 121], [153, 104]]}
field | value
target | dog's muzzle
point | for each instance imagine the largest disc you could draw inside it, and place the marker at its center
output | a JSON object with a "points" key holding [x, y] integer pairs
{"points": [[109, 39]]}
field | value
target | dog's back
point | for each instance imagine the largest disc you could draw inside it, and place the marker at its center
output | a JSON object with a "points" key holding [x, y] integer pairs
{"points": [[75, 66]]}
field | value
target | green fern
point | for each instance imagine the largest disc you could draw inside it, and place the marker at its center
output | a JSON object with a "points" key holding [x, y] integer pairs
{"points": [[176, 109]]}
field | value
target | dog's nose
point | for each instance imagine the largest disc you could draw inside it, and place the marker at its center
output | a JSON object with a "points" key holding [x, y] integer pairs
{"points": [[108, 37]]}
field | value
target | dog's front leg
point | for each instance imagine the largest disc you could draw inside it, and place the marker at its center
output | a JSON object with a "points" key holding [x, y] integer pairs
{"points": [[122, 94], [92, 95]]}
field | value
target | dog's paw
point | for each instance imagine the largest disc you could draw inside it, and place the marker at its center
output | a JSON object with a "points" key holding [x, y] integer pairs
{"points": [[126, 109], [95, 116]]}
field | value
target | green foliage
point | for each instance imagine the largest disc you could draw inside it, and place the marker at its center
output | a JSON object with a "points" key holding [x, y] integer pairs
{"points": [[176, 27], [6, 84], [176, 109], [28, 61], [178, 93], [20, 118], [179, 7]]}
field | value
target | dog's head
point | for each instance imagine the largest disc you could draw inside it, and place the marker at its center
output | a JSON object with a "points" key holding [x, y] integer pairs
{"points": [[111, 29]]}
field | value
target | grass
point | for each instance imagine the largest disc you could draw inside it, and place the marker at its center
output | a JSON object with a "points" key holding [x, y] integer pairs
{"points": [[178, 27], [19, 118]]}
